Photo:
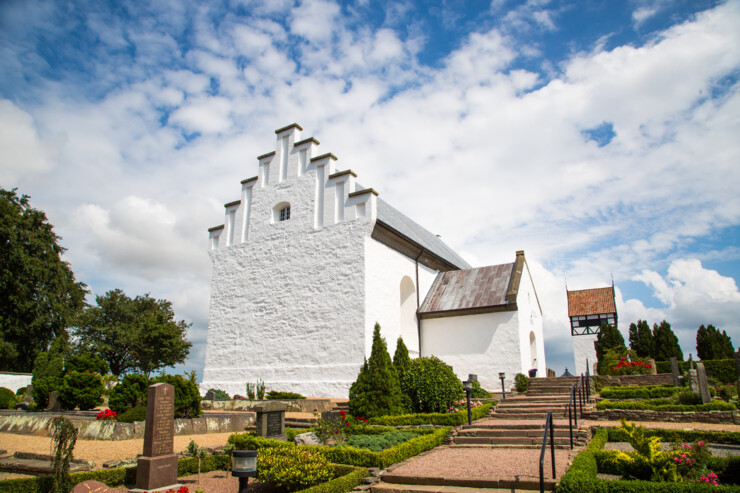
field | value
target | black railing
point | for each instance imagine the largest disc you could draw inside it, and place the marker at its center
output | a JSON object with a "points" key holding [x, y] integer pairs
{"points": [[548, 427]]}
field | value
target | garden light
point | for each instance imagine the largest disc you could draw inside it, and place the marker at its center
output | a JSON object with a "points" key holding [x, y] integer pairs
{"points": [[502, 376], [468, 388], [244, 466]]}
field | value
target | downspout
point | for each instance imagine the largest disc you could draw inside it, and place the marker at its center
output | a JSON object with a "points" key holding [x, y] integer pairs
{"points": [[418, 319]]}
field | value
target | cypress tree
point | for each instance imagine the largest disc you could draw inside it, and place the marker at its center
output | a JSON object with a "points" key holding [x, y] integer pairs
{"points": [[641, 339], [713, 344], [377, 392], [665, 343], [401, 358], [608, 338]]}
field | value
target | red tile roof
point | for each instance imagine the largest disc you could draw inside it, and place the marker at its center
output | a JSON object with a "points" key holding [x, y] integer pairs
{"points": [[591, 302]]}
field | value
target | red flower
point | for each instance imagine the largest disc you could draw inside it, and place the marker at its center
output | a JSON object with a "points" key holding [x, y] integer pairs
{"points": [[347, 423]]}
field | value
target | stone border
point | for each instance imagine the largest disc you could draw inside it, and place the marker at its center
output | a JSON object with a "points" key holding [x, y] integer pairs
{"points": [[721, 417], [294, 405], [112, 430]]}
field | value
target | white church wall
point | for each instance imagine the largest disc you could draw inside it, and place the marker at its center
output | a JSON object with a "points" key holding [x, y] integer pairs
{"points": [[385, 268], [530, 322], [484, 344], [583, 349]]}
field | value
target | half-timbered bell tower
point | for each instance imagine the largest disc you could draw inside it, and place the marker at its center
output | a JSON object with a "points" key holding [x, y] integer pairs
{"points": [[588, 309]]}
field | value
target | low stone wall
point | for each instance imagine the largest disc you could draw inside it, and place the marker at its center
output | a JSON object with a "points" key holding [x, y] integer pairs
{"points": [[92, 429], [294, 405], [720, 417], [640, 380]]}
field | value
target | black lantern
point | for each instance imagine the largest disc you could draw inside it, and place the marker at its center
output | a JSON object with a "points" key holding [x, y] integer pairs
{"points": [[502, 376], [244, 466], [468, 388]]}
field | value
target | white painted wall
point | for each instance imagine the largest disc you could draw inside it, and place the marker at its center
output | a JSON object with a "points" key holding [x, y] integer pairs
{"points": [[14, 381], [484, 344], [583, 349], [530, 321]]}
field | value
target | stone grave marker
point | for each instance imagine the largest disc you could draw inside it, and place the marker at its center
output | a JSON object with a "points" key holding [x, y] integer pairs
{"points": [[157, 468], [653, 366], [693, 381], [270, 421], [54, 404], [92, 487], [706, 397], [210, 396], [675, 371]]}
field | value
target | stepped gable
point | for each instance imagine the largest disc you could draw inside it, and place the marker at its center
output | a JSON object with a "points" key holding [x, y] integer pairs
{"points": [[591, 302]]}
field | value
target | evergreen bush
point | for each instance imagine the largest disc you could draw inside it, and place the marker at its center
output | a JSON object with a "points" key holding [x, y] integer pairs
{"points": [[713, 344], [431, 385], [132, 414], [376, 392], [521, 382], [385, 440], [81, 389], [48, 371], [130, 392], [608, 338], [7, 398], [291, 469], [86, 362], [401, 358], [273, 394], [220, 394], [187, 396], [479, 392]]}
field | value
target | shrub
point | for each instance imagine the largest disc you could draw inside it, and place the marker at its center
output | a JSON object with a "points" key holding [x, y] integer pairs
{"points": [[479, 392], [86, 362], [283, 395], [385, 440], [47, 374], [625, 367], [291, 469], [688, 398], [130, 392], [187, 396], [81, 389], [7, 398], [431, 385], [219, 394], [662, 405], [132, 414], [647, 392], [441, 419], [521, 382]]}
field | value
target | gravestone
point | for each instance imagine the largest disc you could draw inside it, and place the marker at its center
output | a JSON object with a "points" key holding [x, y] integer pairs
{"points": [[693, 381], [54, 404], [737, 364], [92, 487], [706, 397], [675, 371], [270, 420], [653, 366], [210, 396], [157, 469]]}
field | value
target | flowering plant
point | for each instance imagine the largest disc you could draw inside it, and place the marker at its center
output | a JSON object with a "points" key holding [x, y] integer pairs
{"points": [[107, 415], [330, 431], [181, 489], [462, 405], [625, 367], [710, 478], [691, 460]]}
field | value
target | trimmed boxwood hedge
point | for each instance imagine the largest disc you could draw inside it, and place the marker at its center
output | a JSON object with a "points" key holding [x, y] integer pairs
{"points": [[343, 454], [662, 405], [647, 392], [722, 370], [442, 419], [581, 475]]}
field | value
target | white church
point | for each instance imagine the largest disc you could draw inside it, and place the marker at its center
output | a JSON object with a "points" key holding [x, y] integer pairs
{"points": [[307, 261]]}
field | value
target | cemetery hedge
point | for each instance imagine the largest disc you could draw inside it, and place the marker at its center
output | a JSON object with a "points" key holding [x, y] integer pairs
{"points": [[662, 405], [443, 419], [346, 477], [647, 392], [722, 370]]}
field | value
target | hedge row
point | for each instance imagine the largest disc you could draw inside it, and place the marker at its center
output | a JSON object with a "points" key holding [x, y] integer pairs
{"points": [[441, 419], [647, 392], [344, 454], [581, 475], [661, 406], [346, 477], [722, 370], [733, 438]]}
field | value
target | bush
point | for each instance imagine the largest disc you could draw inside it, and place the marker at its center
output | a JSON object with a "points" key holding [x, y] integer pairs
{"points": [[663, 406], [479, 392], [187, 396], [283, 395], [47, 375], [647, 392], [7, 398], [291, 469], [81, 389], [130, 392], [688, 398], [132, 414], [720, 370], [86, 362], [219, 394], [431, 385], [376, 443], [441, 419], [521, 382]]}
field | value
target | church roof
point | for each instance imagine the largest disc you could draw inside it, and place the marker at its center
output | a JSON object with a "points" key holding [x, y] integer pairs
{"points": [[423, 238], [480, 290], [591, 302]]}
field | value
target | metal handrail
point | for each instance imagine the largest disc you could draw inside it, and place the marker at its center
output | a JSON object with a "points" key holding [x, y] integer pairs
{"points": [[570, 414], [548, 426]]}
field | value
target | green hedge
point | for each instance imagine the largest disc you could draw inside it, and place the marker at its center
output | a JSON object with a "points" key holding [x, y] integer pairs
{"points": [[663, 406], [581, 475], [441, 419], [647, 392], [343, 454], [733, 438], [722, 370], [347, 477]]}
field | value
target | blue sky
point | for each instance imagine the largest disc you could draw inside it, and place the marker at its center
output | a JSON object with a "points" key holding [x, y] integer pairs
{"points": [[598, 136]]}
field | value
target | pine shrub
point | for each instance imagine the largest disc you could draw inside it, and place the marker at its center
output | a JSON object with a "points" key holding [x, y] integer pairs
{"points": [[130, 392], [81, 389], [521, 382], [431, 385]]}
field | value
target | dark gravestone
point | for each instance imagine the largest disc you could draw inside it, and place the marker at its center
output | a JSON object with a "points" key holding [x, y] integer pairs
{"points": [[706, 397], [210, 396], [92, 487], [270, 420], [157, 469], [674, 370], [54, 404]]}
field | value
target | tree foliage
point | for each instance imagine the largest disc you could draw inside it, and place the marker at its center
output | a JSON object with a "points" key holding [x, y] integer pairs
{"points": [[130, 392], [608, 338], [81, 389], [713, 344], [401, 358], [38, 292], [641, 339], [48, 370], [665, 343], [133, 334], [86, 362], [376, 392], [431, 385]]}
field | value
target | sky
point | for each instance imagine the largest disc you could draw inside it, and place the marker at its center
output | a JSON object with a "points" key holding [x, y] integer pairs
{"points": [[601, 137]]}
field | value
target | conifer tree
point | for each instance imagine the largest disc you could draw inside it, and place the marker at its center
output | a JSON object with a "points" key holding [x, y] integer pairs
{"points": [[608, 338], [401, 358], [713, 344], [665, 343], [641, 339], [377, 392]]}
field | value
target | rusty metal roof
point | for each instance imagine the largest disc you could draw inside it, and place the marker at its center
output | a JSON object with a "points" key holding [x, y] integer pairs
{"points": [[591, 302], [471, 289]]}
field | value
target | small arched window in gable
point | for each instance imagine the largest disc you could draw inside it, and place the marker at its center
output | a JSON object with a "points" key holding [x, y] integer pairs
{"points": [[281, 212]]}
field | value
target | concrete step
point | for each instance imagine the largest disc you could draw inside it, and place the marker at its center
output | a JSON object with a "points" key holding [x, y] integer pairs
{"points": [[527, 416], [422, 488], [576, 443], [558, 433], [528, 410], [533, 440], [516, 425]]}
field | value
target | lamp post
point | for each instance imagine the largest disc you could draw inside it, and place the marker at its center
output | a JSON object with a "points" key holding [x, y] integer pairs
{"points": [[468, 387], [244, 466], [502, 376]]}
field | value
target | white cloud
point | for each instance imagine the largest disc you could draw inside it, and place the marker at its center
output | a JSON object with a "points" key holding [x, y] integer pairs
{"points": [[23, 152], [204, 114], [315, 20]]}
